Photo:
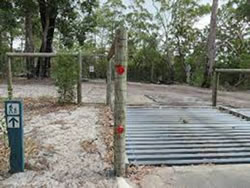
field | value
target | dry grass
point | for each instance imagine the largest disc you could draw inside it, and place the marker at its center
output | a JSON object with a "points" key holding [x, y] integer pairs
{"points": [[45, 105], [31, 148], [134, 173], [31, 151], [137, 173], [89, 146], [4, 157]]}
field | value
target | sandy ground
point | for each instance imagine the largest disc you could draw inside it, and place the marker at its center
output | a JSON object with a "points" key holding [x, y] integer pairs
{"points": [[138, 93], [64, 136], [71, 151]]}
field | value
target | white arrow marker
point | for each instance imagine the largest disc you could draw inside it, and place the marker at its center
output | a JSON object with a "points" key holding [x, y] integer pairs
{"points": [[13, 122]]}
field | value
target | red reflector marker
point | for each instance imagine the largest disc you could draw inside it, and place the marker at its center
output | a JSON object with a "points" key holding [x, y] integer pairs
{"points": [[119, 69], [120, 129]]}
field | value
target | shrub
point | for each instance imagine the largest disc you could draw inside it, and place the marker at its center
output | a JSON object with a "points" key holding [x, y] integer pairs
{"points": [[65, 76]]}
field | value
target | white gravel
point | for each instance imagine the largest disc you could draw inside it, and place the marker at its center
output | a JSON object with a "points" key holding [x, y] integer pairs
{"points": [[92, 92], [65, 164]]}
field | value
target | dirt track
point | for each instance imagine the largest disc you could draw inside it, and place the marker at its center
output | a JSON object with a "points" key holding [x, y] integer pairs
{"points": [[138, 93], [62, 134]]}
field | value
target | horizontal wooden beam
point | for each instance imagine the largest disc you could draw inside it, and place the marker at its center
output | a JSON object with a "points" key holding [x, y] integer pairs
{"points": [[232, 70], [12, 54], [22, 54]]}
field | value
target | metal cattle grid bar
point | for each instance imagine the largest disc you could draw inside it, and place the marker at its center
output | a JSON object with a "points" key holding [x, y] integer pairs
{"points": [[185, 136]]}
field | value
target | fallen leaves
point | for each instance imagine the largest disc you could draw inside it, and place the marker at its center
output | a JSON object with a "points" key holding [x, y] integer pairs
{"points": [[107, 121], [89, 146], [31, 147], [31, 150], [4, 157], [44, 105], [136, 173]]}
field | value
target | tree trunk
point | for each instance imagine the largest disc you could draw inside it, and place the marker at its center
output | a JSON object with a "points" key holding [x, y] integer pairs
{"points": [[48, 14], [181, 58], [211, 47], [109, 90], [152, 72], [170, 65], [29, 44], [11, 41], [171, 69]]}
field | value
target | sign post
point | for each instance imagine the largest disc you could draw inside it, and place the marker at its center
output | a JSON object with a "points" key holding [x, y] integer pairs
{"points": [[14, 121]]}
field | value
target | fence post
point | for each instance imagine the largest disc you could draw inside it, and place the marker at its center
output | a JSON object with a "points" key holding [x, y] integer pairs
{"points": [[215, 88], [79, 79], [9, 75], [109, 84], [120, 101]]}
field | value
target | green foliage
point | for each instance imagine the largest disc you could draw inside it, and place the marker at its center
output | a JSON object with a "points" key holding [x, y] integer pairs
{"points": [[65, 76], [160, 46], [244, 8], [146, 64], [75, 20], [233, 42]]}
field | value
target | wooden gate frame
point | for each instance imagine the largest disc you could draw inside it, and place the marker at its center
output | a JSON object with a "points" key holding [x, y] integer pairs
{"points": [[11, 55], [216, 76]]}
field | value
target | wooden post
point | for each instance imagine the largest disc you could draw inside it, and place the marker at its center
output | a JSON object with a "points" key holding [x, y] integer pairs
{"points": [[79, 79], [120, 101], [109, 84], [10, 83], [215, 88]]}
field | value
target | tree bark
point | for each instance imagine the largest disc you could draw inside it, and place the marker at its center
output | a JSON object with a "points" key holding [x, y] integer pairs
{"points": [[211, 47], [48, 14], [79, 79], [29, 43], [152, 72], [170, 66], [109, 90], [10, 83]]}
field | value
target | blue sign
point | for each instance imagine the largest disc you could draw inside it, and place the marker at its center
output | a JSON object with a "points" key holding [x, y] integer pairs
{"points": [[14, 121]]}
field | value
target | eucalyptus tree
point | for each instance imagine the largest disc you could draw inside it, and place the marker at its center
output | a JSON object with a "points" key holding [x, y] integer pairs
{"points": [[72, 18], [28, 14], [9, 23], [143, 39], [211, 47], [233, 44], [109, 15], [163, 17], [177, 19], [10, 28], [244, 8], [185, 14]]}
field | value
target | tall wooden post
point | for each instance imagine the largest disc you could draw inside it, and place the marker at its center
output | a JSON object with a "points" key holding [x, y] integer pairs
{"points": [[215, 88], [109, 84], [120, 101], [10, 83], [79, 79]]}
